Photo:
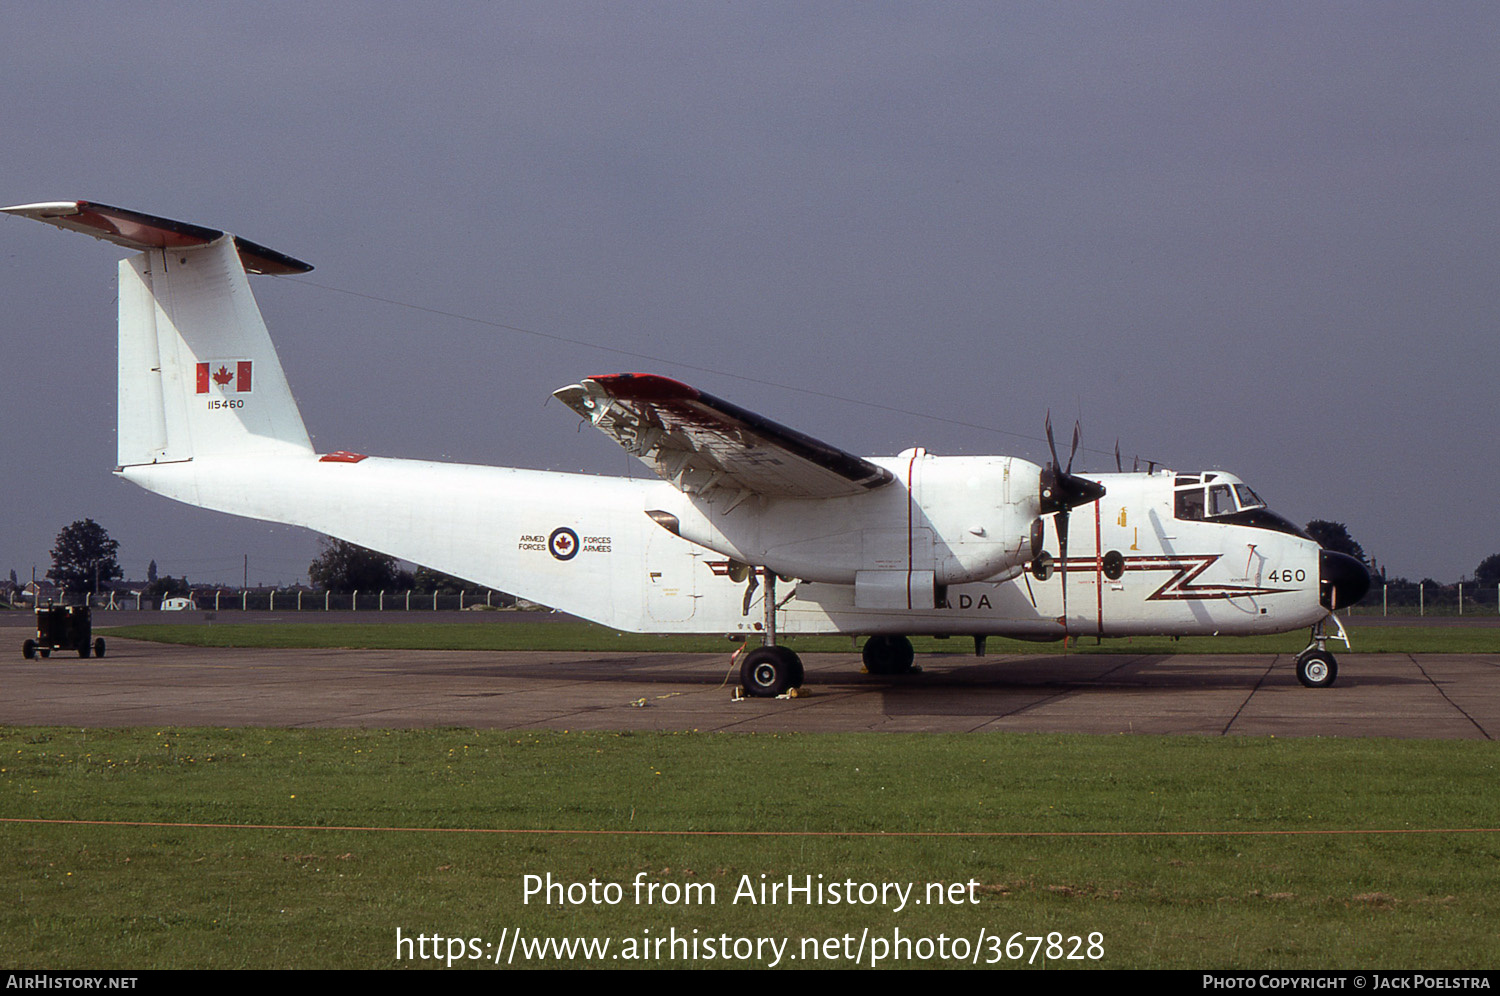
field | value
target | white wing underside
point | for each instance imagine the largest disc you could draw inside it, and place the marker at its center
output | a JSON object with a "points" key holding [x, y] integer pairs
{"points": [[709, 447]]}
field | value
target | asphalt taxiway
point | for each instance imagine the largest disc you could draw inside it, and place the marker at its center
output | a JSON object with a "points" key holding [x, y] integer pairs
{"points": [[1450, 696]]}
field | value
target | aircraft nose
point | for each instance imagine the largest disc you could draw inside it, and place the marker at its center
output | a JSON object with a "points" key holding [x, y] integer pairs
{"points": [[1342, 580]]}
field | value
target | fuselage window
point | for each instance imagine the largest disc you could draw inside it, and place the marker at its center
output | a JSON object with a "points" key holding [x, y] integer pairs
{"points": [[1190, 504]]}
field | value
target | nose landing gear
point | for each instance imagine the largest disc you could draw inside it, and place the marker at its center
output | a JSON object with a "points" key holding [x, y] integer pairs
{"points": [[1316, 667]]}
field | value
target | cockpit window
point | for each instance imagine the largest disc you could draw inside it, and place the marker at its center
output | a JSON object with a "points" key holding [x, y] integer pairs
{"points": [[1190, 504], [1220, 497], [1212, 501], [1248, 498]]}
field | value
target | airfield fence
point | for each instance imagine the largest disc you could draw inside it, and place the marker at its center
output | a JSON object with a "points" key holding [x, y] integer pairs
{"points": [[307, 600], [1429, 599]]}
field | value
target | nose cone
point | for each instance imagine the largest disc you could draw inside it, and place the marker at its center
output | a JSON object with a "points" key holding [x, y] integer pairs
{"points": [[1342, 580]]}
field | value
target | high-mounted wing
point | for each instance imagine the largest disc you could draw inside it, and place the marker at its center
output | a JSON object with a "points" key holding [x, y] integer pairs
{"points": [[135, 230], [705, 445]]}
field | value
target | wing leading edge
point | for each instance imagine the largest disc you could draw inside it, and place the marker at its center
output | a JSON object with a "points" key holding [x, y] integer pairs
{"points": [[705, 445]]}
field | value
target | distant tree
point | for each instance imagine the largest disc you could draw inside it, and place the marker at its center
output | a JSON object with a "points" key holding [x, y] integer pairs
{"points": [[151, 572], [1335, 536], [84, 558], [167, 587], [345, 567], [1487, 573], [427, 579]]}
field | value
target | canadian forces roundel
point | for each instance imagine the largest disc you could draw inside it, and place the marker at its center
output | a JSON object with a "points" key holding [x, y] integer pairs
{"points": [[563, 543]]}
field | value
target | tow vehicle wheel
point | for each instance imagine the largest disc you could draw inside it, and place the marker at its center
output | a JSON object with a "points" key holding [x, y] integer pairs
{"points": [[45, 651], [769, 671], [28, 649], [1317, 669], [99, 647], [888, 655], [83, 651]]}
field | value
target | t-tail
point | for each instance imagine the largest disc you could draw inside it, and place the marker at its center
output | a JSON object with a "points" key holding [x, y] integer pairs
{"points": [[198, 375]]}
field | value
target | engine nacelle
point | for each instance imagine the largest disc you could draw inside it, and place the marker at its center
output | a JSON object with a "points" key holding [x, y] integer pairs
{"points": [[955, 519]]}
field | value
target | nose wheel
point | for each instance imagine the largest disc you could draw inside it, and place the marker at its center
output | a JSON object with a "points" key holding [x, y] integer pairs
{"points": [[1317, 668]]}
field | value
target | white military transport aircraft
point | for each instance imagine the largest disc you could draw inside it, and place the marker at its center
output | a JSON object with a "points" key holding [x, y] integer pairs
{"points": [[881, 547]]}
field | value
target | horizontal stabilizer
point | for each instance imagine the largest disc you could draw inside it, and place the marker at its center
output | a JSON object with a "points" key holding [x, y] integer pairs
{"points": [[704, 444], [135, 230]]}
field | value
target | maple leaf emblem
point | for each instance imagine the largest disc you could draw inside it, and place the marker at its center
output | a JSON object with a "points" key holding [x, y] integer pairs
{"points": [[563, 543], [222, 375]]}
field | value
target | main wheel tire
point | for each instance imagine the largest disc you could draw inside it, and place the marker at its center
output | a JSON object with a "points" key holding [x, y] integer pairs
{"points": [[888, 655], [796, 673], [1317, 669], [28, 649], [766, 672], [99, 647], [903, 655]]}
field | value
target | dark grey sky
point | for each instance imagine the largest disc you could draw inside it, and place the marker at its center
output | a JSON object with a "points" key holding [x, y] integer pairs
{"points": [[1254, 236]]}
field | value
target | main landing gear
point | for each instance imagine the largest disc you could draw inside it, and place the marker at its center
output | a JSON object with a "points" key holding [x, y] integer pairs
{"points": [[1316, 667], [770, 670], [889, 655]]}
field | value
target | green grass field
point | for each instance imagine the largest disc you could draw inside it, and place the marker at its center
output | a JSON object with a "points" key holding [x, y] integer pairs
{"points": [[839, 806], [581, 636]]}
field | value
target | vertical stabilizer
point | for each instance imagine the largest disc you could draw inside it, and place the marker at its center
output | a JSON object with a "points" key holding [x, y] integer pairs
{"points": [[198, 373]]}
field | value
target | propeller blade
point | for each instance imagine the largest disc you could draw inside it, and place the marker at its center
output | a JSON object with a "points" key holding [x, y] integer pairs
{"points": [[1062, 563], [1051, 445], [1061, 491], [1118, 466]]}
